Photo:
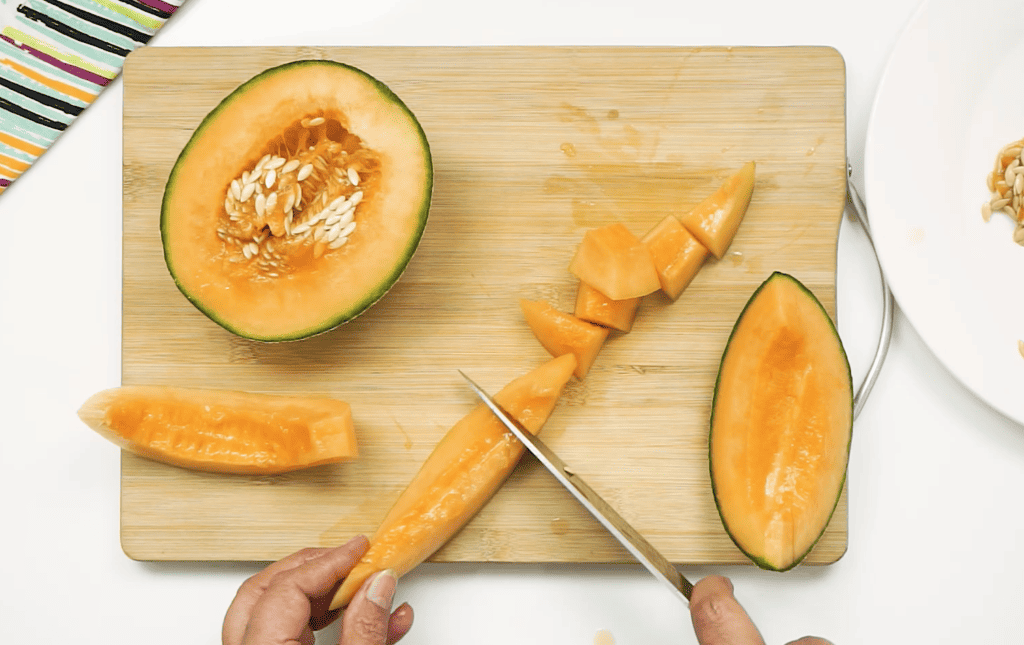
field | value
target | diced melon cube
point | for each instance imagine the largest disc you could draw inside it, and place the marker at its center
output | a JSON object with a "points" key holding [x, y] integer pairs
{"points": [[714, 221], [678, 255], [595, 307], [561, 333], [612, 260]]}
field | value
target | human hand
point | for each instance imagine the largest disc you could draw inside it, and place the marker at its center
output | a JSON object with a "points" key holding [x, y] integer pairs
{"points": [[286, 602], [718, 618]]}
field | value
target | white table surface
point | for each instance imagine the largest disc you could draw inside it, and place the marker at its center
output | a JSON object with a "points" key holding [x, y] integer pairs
{"points": [[936, 477]]}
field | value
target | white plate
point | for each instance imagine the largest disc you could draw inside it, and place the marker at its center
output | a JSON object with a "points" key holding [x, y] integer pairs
{"points": [[952, 95]]}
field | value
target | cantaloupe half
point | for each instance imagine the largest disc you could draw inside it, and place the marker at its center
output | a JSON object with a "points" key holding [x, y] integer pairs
{"points": [[561, 333], [678, 255], [614, 261], [297, 202], [715, 220], [465, 469], [594, 307], [781, 424]]}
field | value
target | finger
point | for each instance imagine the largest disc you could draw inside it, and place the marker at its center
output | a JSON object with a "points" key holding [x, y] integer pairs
{"points": [[283, 610], [367, 618], [810, 640], [718, 618], [240, 610], [399, 624]]}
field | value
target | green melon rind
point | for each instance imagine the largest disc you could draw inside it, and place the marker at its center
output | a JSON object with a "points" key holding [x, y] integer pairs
{"points": [[758, 560], [400, 265]]}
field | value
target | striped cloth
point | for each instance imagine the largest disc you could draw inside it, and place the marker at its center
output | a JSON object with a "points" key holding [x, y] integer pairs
{"points": [[56, 56]]}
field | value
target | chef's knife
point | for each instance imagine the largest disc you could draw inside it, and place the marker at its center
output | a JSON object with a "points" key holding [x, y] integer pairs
{"points": [[635, 543]]}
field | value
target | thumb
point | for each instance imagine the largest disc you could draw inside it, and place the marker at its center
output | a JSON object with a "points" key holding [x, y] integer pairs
{"points": [[365, 620], [718, 618]]}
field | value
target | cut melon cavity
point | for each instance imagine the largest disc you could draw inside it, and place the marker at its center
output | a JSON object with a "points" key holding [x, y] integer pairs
{"points": [[298, 201]]}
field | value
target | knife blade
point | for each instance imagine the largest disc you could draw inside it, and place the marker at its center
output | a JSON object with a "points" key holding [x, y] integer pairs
{"points": [[628, 536]]}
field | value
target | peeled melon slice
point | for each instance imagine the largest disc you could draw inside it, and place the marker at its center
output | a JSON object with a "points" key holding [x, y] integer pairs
{"points": [[781, 424], [223, 431], [465, 469]]}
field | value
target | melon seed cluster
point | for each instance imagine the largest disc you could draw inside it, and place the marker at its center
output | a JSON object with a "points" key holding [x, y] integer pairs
{"points": [[301, 197], [1006, 187]]}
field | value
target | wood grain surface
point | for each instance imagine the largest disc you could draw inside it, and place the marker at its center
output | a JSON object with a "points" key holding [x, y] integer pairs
{"points": [[531, 147]]}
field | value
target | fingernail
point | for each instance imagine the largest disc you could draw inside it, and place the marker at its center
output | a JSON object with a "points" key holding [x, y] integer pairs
{"points": [[382, 589]]}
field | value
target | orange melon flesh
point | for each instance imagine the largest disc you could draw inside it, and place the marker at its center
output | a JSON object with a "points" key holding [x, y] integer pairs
{"points": [[595, 307], [463, 472], [715, 220], [678, 255], [612, 260], [781, 425], [561, 333], [223, 431]]}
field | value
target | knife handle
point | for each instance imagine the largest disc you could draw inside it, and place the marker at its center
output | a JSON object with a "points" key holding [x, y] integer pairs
{"points": [[650, 554]]}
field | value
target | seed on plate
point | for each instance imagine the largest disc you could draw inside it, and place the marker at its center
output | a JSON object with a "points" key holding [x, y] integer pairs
{"points": [[986, 211], [1018, 235], [1020, 347], [999, 203]]}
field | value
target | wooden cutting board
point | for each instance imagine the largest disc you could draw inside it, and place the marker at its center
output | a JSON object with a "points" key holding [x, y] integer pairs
{"points": [[531, 146]]}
